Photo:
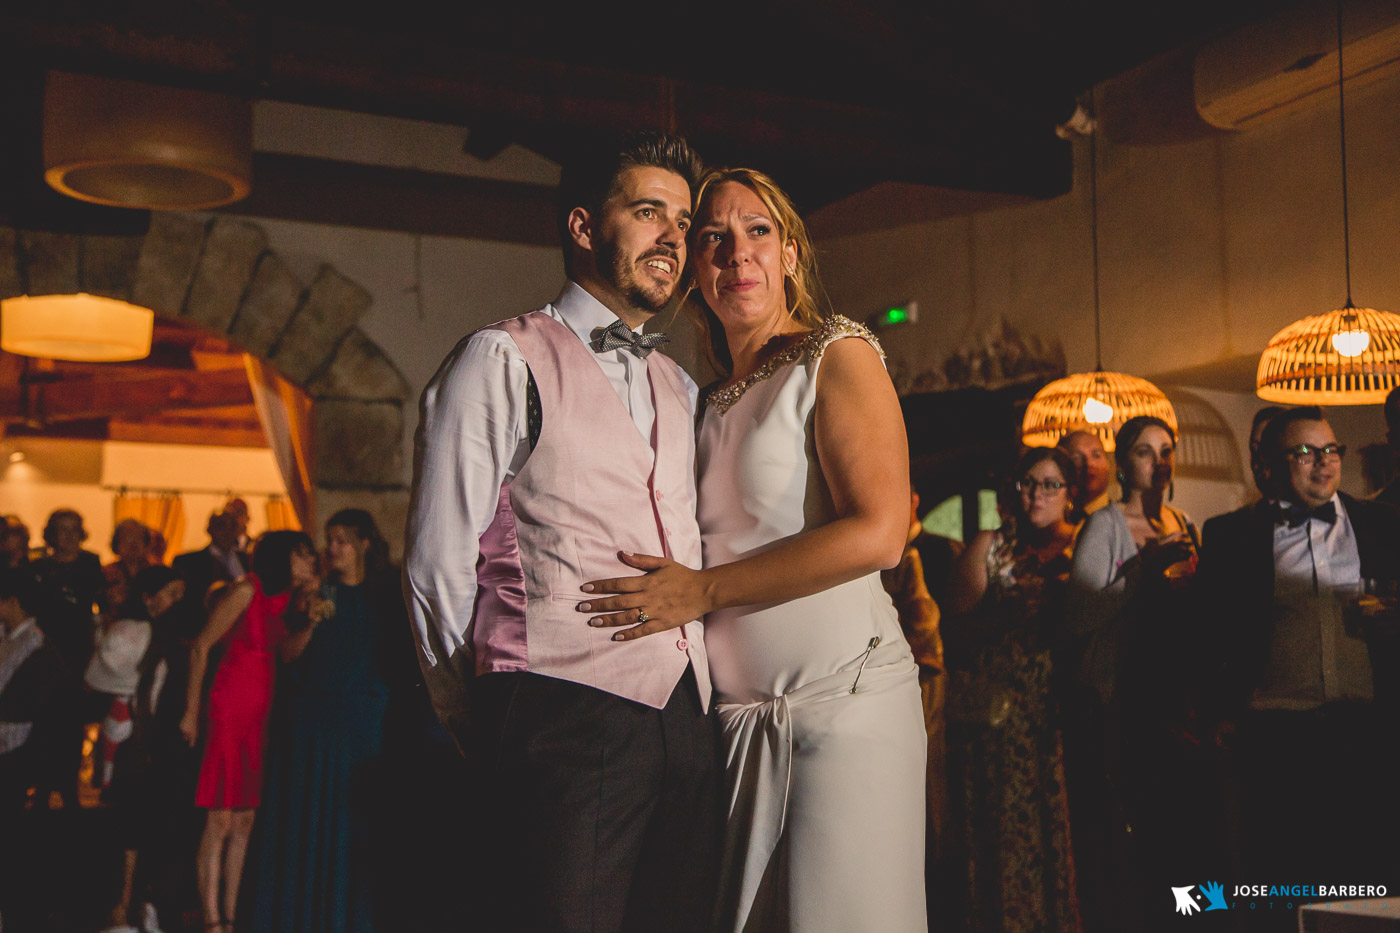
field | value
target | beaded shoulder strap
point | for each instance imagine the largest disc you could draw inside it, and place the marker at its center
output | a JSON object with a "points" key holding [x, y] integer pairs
{"points": [[812, 347]]}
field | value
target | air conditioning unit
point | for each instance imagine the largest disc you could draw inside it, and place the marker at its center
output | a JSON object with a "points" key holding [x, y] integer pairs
{"points": [[1283, 64]]}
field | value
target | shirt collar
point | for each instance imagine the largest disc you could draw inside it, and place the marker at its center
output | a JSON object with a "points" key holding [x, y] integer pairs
{"points": [[22, 627], [581, 312], [1289, 503]]}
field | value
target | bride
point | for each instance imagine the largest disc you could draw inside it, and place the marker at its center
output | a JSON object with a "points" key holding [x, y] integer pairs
{"points": [[803, 499]]}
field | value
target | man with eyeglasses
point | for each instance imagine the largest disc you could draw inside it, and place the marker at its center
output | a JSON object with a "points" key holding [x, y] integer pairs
{"points": [[1303, 684]]}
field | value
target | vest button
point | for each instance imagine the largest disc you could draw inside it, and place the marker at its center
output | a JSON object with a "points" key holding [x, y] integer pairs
{"points": [[659, 496], [683, 644]]}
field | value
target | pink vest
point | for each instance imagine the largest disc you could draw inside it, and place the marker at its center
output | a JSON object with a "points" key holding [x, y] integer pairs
{"points": [[591, 487]]}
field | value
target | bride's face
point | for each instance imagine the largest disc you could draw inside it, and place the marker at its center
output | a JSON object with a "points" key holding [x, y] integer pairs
{"points": [[740, 259]]}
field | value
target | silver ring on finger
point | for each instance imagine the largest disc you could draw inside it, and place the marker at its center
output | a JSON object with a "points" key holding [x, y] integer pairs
{"points": [[642, 616]]}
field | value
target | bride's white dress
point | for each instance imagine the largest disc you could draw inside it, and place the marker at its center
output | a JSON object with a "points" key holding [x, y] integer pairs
{"points": [[826, 786]]}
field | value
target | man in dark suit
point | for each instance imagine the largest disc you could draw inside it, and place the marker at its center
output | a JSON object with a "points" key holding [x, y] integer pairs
{"points": [[221, 562], [1390, 492], [34, 729], [1304, 682]]}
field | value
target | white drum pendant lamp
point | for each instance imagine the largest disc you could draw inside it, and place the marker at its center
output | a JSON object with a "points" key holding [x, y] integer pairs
{"points": [[129, 144], [83, 328]]}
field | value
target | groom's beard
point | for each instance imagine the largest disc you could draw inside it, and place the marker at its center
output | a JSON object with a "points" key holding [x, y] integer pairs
{"points": [[621, 273]]}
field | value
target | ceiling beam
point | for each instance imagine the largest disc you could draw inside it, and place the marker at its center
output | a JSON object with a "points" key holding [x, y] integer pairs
{"points": [[213, 434], [71, 399], [288, 187]]}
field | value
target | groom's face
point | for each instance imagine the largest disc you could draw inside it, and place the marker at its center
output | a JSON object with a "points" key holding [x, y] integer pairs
{"points": [[638, 237]]}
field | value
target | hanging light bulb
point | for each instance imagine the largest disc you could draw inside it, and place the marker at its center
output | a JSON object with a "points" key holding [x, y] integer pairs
{"points": [[1343, 357], [1352, 340], [1096, 412]]}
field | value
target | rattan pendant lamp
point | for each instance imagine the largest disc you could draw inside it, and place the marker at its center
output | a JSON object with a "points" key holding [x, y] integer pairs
{"points": [[1350, 356], [1099, 401]]}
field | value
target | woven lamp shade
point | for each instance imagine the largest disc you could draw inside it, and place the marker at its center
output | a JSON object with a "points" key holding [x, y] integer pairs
{"points": [[1302, 366], [1058, 408]]}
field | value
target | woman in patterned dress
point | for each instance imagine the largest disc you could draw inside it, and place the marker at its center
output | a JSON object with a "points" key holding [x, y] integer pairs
{"points": [[1006, 780]]}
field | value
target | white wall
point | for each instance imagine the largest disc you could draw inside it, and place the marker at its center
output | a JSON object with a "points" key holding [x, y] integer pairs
{"points": [[85, 475]]}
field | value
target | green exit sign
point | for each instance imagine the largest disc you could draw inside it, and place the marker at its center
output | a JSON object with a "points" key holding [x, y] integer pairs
{"points": [[901, 314]]}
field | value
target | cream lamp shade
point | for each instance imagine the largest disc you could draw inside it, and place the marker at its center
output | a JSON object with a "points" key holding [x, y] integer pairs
{"points": [[1096, 402], [1346, 357], [82, 327], [128, 144]]}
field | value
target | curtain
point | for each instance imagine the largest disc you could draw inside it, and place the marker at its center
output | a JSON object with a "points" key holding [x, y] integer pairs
{"points": [[162, 512], [284, 412], [281, 516]]}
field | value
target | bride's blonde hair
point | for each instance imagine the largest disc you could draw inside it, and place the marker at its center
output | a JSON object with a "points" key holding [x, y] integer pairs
{"points": [[800, 284]]}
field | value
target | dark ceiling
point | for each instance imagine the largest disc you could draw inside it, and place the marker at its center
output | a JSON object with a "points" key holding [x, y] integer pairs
{"points": [[831, 96]]}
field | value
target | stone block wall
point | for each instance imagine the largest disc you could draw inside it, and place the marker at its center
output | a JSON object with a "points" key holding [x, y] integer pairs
{"points": [[220, 275]]}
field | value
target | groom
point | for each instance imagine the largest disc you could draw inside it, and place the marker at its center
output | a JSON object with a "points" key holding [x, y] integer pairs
{"points": [[549, 442]]}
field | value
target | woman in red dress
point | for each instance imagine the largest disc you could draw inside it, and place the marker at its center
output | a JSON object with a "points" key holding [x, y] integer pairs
{"points": [[248, 622]]}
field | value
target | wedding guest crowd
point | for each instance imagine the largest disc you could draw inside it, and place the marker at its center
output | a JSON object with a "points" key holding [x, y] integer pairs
{"points": [[199, 674], [1123, 701]]}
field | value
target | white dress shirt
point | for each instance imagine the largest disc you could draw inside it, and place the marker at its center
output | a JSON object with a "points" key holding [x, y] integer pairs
{"points": [[15, 649], [475, 437], [231, 564], [1312, 659]]}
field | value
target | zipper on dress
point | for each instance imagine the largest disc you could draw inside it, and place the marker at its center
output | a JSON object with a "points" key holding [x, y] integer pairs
{"points": [[865, 657]]}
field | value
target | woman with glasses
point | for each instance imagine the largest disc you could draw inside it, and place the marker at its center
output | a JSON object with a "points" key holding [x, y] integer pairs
{"points": [[1006, 774], [1127, 608]]}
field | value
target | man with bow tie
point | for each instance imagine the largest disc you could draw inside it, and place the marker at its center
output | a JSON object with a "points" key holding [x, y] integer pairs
{"points": [[548, 443], [1305, 683]]}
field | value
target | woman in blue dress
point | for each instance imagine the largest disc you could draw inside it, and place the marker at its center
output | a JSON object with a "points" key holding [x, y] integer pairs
{"points": [[315, 870]]}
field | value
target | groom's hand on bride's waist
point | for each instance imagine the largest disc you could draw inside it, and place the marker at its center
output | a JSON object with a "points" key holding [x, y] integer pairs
{"points": [[666, 596]]}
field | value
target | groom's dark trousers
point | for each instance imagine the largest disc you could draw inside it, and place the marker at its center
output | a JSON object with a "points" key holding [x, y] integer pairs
{"points": [[600, 814]]}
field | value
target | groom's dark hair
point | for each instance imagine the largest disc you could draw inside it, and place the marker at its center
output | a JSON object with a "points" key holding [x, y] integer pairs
{"points": [[590, 177]]}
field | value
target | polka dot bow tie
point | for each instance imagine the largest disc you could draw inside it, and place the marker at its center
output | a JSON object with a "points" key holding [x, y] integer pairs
{"points": [[618, 335]]}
